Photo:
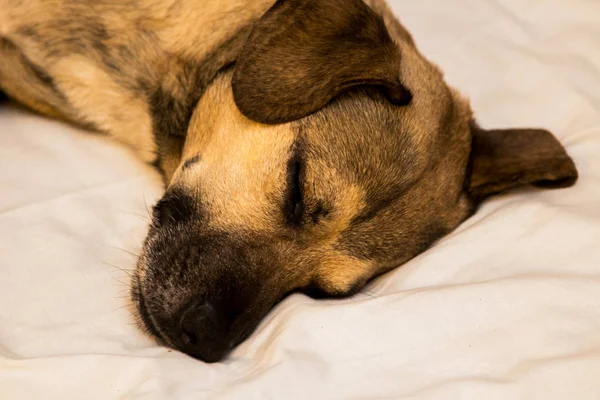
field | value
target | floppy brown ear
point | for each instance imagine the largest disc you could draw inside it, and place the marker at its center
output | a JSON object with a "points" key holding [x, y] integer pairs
{"points": [[303, 53], [505, 158]]}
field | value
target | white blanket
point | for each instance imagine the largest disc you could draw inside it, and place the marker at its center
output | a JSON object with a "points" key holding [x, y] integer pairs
{"points": [[506, 307]]}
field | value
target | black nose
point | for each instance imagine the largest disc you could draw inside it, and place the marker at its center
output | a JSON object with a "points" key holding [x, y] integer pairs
{"points": [[203, 331]]}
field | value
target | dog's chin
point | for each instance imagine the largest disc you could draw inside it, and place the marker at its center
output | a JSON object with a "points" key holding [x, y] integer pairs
{"points": [[146, 322]]}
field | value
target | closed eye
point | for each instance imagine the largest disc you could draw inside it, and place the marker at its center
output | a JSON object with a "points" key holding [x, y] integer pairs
{"points": [[294, 202], [297, 209]]}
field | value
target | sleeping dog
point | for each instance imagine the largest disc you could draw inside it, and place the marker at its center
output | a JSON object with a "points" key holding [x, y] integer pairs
{"points": [[306, 145]]}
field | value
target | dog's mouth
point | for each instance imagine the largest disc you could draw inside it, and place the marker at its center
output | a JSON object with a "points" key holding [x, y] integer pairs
{"points": [[147, 320]]}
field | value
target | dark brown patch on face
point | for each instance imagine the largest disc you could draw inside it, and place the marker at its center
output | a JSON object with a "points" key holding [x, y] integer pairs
{"points": [[204, 291], [175, 207], [301, 54], [190, 161]]}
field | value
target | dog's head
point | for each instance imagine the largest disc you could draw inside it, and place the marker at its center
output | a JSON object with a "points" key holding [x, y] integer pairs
{"points": [[329, 154]]}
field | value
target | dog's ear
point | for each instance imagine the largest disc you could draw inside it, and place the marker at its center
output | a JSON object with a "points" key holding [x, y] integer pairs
{"points": [[303, 53], [505, 158]]}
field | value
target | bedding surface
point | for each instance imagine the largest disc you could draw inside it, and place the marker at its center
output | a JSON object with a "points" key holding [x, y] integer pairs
{"points": [[505, 307]]}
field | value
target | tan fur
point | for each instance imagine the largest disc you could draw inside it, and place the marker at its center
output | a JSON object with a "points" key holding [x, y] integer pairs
{"points": [[99, 100], [340, 280], [251, 155], [93, 97], [17, 80]]}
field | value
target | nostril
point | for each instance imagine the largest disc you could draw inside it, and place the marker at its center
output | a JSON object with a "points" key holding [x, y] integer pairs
{"points": [[188, 338], [198, 317]]}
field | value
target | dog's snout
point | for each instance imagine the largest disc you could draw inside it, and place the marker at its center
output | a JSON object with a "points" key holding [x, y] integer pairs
{"points": [[202, 331]]}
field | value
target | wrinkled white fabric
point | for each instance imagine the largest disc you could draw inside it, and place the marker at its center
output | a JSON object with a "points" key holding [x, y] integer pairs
{"points": [[505, 307]]}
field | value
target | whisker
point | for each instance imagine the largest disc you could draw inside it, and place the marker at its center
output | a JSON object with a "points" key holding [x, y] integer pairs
{"points": [[121, 282], [143, 218], [122, 307], [146, 205], [126, 251], [129, 273]]}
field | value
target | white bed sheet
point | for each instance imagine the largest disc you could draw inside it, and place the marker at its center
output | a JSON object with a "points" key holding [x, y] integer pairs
{"points": [[506, 307]]}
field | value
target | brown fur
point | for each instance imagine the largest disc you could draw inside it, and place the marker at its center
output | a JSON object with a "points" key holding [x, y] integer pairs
{"points": [[306, 147], [350, 46]]}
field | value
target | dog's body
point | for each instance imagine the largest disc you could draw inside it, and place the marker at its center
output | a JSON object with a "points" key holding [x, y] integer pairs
{"points": [[306, 144], [134, 70], [121, 67]]}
